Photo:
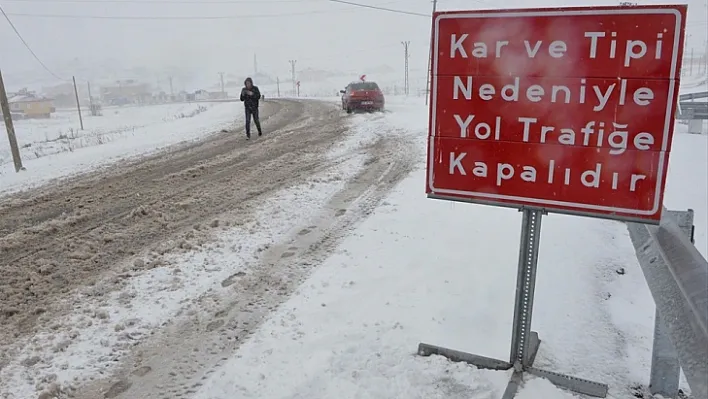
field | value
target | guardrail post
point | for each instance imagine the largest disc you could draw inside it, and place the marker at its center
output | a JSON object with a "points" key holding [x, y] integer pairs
{"points": [[665, 367], [695, 126]]}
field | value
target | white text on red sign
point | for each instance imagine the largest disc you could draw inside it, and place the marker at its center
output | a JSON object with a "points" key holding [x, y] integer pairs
{"points": [[630, 49], [566, 108]]}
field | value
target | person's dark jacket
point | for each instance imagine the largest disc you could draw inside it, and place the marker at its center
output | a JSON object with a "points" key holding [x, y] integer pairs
{"points": [[251, 101]]}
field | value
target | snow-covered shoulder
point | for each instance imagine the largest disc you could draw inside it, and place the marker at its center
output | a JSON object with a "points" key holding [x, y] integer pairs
{"points": [[57, 147]]}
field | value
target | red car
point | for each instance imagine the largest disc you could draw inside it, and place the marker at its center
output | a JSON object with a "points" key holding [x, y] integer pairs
{"points": [[362, 96]]}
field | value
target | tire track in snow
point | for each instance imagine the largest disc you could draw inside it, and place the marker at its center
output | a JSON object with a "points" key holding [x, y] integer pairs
{"points": [[177, 361]]}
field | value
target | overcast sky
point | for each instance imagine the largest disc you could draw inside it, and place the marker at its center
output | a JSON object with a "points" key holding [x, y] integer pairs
{"points": [[317, 33]]}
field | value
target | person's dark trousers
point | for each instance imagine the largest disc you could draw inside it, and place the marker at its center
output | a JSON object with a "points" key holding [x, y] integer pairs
{"points": [[252, 113]]}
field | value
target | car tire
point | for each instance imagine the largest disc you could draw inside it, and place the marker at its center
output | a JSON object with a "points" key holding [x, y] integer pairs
{"points": [[349, 110]]}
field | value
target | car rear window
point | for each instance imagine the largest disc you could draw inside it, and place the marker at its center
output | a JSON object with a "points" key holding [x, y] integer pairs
{"points": [[364, 86]]}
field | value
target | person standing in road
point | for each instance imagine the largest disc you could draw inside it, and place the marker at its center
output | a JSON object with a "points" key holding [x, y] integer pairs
{"points": [[250, 95]]}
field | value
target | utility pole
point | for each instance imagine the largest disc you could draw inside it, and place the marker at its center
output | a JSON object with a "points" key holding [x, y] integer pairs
{"points": [[705, 53], [705, 59], [221, 77], [292, 71], [430, 59], [91, 107], [78, 104], [277, 82], [690, 65], [172, 90], [405, 76], [7, 116]]}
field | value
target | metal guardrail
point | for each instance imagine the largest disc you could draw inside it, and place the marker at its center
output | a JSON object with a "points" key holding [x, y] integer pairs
{"points": [[693, 96], [689, 109], [677, 276], [692, 111]]}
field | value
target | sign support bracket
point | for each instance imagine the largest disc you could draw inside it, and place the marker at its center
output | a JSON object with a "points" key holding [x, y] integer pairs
{"points": [[524, 342]]}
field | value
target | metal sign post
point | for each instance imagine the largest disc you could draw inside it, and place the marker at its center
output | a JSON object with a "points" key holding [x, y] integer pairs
{"points": [[524, 342]]}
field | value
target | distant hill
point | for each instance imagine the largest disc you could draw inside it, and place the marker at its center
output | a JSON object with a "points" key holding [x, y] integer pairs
{"points": [[108, 71]]}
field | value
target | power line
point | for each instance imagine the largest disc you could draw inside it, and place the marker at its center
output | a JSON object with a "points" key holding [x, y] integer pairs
{"points": [[22, 39], [172, 2], [212, 17], [173, 18], [379, 8], [168, 1]]}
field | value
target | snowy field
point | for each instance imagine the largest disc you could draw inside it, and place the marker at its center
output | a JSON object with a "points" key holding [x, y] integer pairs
{"points": [[57, 147], [416, 270]]}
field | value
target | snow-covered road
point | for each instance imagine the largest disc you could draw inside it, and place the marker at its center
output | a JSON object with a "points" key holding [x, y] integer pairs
{"points": [[99, 264]]}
